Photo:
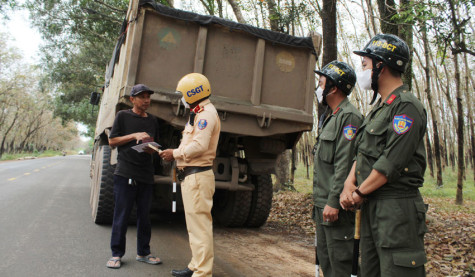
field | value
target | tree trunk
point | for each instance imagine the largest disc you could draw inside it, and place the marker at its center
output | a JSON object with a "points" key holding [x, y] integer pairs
{"points": [[307, 166], [458, 39], [371, 31], [304, 149], [460, 165], [450, 137], [405, 32], [469, 102], [8, 131], [330, 45], [328, 15], [220, 8], [274, 16], [444, 149], [237, 11], [209, 5], [282, 171], [292, 165], [387, 9], [430, 161], [452, 106], [427, 142], [429, 99], [444, 136], [33, 127]]}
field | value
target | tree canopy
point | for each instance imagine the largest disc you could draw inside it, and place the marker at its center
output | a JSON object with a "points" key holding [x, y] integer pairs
{"points": [[26, 114], [80, 36]]}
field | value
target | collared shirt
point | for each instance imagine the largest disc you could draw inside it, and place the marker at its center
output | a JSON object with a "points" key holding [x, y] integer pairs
{"points": [[334, 152], [199, 142], [391, 141]]}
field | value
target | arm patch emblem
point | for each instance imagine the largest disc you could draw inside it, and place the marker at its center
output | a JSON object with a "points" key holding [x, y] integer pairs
{"points": [[402, 123], [349, 132], [202, 124]]}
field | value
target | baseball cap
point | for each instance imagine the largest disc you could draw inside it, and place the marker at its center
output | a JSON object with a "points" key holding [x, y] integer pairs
{"points": [[139, 88]]}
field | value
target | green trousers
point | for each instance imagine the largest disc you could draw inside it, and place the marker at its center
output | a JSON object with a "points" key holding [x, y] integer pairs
{"points": [[392, 237], [335, 243]]}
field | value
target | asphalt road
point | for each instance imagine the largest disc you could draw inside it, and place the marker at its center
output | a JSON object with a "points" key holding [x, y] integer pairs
{"points": [[46, 227]]}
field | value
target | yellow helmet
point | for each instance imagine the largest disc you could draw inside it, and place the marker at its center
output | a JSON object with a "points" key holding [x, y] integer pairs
{"points": [[194, 87]]}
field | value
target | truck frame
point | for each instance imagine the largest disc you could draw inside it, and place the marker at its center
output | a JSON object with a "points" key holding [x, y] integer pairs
{"points": [[262, 85]]}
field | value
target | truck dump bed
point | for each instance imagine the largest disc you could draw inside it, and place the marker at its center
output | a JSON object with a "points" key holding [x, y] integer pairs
{"points": [[262, 82]]}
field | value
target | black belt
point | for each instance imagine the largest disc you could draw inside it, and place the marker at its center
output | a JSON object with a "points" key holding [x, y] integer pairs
{"points": [[191, 170], [379, 195]]}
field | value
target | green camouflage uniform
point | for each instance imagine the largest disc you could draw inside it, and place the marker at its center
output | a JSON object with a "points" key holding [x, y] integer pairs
{"points": [[333, 159], [393, 219]]}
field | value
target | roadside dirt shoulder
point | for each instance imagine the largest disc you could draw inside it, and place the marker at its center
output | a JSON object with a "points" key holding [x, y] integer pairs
{"points": [[284, 246]]}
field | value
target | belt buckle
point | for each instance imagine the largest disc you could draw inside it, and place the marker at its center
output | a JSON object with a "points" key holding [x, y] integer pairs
{"points": [[180, 174]]}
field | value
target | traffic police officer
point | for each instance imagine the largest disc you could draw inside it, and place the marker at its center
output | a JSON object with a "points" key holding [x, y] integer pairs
{"points": [[389, 166], [194, 157], [333, 157]]}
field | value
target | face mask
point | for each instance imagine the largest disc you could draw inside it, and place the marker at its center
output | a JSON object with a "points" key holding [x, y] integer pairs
{"points": [[319, 94], [184, 103], [364, 79]]}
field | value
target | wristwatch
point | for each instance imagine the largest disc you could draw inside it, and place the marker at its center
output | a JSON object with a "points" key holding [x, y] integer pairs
{"points": [[357, 190]]}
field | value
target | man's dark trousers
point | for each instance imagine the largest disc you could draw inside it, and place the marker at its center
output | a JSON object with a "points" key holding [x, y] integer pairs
{"points": [[125, 196]]}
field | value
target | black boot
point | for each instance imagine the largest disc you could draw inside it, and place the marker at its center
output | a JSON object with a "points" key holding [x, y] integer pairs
{"points": [[182, 273]]}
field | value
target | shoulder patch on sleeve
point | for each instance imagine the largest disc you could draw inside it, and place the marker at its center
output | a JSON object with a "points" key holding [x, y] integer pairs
{"points": [[349, 132], [402, 123], [202, 124]]}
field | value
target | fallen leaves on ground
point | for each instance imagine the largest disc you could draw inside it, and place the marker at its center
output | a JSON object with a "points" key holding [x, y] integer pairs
{"points": [[449, 244], [293, 211]]}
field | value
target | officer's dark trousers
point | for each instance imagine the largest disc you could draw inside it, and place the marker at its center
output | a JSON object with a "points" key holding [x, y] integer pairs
{"points": [[392, 237], [125, 196], [335, 243]]}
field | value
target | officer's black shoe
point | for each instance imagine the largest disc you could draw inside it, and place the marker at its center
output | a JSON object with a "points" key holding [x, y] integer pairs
{"points": [[182, 273]]}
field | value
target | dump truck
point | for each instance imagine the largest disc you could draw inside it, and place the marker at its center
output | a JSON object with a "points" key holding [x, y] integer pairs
{"points": [[262, 85]]}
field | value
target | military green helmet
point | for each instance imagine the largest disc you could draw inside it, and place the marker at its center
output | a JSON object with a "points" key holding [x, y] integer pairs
{"points": [[341, 74], [389, 49]]}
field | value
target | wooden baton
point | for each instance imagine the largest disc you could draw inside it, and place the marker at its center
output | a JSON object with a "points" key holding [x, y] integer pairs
{"points": [[356, 246]]}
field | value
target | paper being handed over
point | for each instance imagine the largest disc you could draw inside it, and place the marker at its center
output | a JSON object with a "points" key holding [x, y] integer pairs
{"points": [[141, 147], [155, 148]]}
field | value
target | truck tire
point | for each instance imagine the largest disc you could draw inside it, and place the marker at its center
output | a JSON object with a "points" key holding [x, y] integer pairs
{"points": [[102, 186], [261, 202], [231, 208], [102, 189]]}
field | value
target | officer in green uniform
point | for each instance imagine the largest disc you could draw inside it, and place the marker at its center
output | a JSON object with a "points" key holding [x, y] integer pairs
{"points": [[333, 157], [389, 166]]}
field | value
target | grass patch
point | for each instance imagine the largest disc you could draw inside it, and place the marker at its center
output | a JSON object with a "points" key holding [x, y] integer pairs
{"points": [[449, 189], [16, 156], [301, 182]]}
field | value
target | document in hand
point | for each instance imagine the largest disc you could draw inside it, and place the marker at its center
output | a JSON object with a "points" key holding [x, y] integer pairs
{"points": [[141, 147]]}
